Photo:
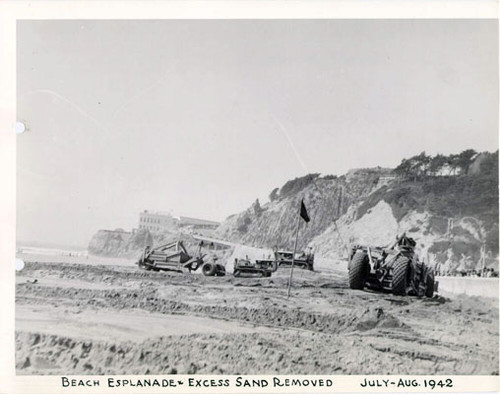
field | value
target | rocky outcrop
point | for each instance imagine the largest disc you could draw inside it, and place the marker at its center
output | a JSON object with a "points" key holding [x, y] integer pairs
{"points": [[326, 198], [119, 243], [451, 217]]}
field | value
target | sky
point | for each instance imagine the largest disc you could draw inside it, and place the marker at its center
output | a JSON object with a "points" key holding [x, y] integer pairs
{"points": [[201, 117]]}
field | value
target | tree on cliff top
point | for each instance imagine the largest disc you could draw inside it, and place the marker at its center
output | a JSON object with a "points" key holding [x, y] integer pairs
{"points": [[415, 167], [421, 166]]}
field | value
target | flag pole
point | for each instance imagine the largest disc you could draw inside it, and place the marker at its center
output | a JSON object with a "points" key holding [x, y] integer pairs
{"points": [[294, 251]]}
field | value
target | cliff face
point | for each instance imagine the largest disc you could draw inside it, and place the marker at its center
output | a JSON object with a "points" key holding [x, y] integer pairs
{"points": [[119, 243], [451, 217], [326, 199], [449, 249]]}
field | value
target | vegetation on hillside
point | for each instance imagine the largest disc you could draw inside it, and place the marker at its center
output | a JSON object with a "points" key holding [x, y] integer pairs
{"points": [[445, 187], [458, 195], [422, 165]]}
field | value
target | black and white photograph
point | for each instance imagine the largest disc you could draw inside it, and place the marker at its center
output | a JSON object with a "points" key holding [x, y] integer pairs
{"points": [[257, 197]]}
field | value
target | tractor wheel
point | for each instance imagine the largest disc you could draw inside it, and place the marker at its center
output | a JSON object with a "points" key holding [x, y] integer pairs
{"points": [[429, 286], [144, 266], [209, 269], [236, 273], [400, 276], [221, 270], [358, 271]]}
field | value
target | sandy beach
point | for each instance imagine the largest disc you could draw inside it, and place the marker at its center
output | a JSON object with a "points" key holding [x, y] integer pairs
{"points": [[105, 316]]}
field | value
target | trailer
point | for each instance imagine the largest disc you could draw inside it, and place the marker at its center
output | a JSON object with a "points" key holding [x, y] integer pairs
{"points": [[175, 257]]}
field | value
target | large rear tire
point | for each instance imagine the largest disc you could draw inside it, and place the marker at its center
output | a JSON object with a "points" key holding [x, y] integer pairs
{"points": [[358, 271], [400, 272], [209, 269]]}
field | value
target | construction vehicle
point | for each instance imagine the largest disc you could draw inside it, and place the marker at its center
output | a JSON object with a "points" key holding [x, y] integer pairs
{"points": [[174, 257], [304, 260], [247, 267], [265, 267], [394, 269]]}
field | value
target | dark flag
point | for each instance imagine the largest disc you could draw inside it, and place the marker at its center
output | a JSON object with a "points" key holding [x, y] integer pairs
{"points": [[303, 212]]}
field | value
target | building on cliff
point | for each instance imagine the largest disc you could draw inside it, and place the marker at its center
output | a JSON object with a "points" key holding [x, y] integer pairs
{"points": [[156, 221], [161, 221]]}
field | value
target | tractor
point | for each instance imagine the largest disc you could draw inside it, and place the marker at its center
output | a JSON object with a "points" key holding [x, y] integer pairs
{"points": [[265, 267], [395, 269], [174, 257], [304, 260], [247, 267]]}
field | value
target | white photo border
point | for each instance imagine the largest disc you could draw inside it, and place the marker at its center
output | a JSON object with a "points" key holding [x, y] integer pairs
{"points": [[13, 11]]}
